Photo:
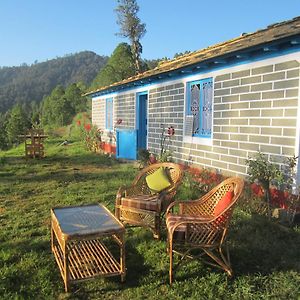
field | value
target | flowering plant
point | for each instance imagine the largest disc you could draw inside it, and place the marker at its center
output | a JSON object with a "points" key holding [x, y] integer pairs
{"points": [[268, 178], [92, 136], [165, 139]]}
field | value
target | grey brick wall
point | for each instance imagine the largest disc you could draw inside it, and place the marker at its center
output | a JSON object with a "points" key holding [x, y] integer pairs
{"points": [[166, 108], [260, 114], [98, 113], [124, 108], [254, 110]]}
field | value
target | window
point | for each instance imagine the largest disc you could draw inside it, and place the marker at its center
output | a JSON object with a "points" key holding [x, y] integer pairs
{"points": [[199, 107], [109, 114]]}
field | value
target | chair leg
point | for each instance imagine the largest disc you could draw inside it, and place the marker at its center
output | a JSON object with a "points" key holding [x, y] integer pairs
{"points": [[117, 213], [156, 230], [228, 268], [220, 260], [171, 262]]}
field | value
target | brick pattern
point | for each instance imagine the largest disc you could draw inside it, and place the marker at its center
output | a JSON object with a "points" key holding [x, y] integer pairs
{"points": [[98, 113], [166, 108], [255, 110], [124, 108]]}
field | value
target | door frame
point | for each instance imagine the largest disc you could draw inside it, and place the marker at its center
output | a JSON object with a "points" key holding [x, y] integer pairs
{"points": [[137, 117]]}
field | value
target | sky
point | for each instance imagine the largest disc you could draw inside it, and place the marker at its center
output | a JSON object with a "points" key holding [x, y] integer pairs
{"points": [[37, 30]]}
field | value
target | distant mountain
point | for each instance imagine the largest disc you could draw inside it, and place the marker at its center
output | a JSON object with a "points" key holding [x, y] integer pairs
{"points": [[25, 84]]}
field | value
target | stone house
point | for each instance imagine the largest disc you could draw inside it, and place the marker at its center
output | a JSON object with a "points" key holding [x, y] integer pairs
{"points": [[225, 102]]}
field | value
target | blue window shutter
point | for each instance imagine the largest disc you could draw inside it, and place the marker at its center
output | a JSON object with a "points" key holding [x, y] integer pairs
{"points": [[109, 114], [206, 98], [199, 107]]}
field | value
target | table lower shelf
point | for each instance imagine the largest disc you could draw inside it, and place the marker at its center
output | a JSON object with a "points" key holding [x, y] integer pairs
{"points": [[87, 259]]}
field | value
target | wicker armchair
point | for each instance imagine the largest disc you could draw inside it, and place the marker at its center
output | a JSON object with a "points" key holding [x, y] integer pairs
{"points": [[137, 205], [203, 224]]}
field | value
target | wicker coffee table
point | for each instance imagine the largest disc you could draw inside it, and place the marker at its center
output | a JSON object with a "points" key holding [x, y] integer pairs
{"points": [[77, 242]]}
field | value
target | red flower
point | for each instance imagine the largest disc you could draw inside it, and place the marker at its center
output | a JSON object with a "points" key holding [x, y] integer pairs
{"points": [[278, 198], [87, 127], [152, 159], [78, 122], [257, 189], [171, 131]]}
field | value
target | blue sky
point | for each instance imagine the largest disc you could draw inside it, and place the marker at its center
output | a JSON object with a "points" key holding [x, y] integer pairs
{"points": [[44, 29]]}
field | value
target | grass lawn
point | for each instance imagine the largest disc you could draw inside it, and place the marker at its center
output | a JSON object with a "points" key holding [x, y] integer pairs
{"points": [[265, 256]]}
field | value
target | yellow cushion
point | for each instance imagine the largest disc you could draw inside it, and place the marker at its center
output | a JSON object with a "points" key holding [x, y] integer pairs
{"points": [[158, 180]]}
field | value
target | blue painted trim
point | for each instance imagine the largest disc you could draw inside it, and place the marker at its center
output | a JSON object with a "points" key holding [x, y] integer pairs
{"points": [[142, 93], [159, 78], [108, 101], [137, 107]]}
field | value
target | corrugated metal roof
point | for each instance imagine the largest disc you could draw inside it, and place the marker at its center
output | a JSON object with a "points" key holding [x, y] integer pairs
{"points": [[270, 34]]}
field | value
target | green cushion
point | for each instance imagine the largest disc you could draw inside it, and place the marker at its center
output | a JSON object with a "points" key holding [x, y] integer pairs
{"points": [[158, 180]]}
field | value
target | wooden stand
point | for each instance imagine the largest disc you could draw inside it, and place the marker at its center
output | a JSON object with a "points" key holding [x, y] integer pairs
{"points": [[34, 147]]}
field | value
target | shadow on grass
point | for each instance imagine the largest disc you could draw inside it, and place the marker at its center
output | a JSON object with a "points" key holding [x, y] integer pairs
{"points": [[135, 270], [64, 170], [27, 264], [258, 245], [69, 175], [25, 258]]}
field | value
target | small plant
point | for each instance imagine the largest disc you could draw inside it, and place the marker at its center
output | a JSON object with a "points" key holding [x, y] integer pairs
{"points": [[92, 137], [262, 171], [197, 182], [290, 172], [143, 156]]}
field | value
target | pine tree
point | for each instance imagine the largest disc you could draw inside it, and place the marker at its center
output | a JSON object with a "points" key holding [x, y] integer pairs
{"points": [[3, 135], [17, 124], [119, 66], [131, 28], [74, 95]]}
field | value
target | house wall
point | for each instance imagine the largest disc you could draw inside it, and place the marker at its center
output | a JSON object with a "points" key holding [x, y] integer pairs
{"points": [[123, 108], [98, 112], [255, 109], [256, 105]]}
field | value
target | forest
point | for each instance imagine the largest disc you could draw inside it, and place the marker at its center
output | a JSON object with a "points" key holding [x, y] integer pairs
{"points": [[25, 84]]}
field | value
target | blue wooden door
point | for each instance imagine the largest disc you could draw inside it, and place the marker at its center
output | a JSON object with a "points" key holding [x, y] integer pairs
{"points": [[141, 120], [126, 144]]}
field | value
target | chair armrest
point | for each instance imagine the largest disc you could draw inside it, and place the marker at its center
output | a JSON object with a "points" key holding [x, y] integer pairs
{"points": [[171, 206], [186, 203], [192, 220], [120, 193]]}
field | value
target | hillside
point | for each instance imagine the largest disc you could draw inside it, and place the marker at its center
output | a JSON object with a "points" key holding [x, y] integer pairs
{"points": [[31, 83]]}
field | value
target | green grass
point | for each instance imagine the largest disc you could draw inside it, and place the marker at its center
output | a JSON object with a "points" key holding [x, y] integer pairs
{"points": [[265, 255]]}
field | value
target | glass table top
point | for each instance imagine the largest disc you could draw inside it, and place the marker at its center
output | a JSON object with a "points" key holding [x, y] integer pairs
{"points": [[86, 219]]}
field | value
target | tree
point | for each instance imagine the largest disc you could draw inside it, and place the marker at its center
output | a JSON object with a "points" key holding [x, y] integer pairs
{"points": [[74, 95], [57, 108], [17, 124], [176, 55], [119, 66], [131, 28], [3, 135], [35, 113]]}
